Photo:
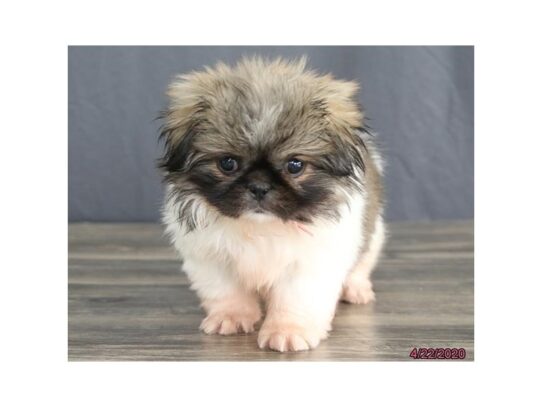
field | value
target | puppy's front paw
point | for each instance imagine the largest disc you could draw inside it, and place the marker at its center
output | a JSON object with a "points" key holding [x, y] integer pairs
{"points": [[358, 291], [229, 324], [284, 337]]}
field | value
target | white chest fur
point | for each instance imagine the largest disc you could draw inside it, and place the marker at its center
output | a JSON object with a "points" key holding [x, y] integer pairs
{"points": [[259, 251]]}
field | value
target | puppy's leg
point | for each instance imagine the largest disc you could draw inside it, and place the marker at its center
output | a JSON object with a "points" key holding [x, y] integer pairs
{"points": [[357, 288], [230, 308], [299, 310]]}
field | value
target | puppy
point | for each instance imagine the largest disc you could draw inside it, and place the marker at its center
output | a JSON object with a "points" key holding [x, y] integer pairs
{"points": [[273, 196]]}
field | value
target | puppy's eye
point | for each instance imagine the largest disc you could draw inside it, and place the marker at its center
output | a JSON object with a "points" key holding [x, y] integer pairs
{"points": [[295, 167], [228, 165]]}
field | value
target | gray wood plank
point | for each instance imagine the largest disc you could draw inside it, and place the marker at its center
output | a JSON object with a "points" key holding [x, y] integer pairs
{"points": [[128, 300]]}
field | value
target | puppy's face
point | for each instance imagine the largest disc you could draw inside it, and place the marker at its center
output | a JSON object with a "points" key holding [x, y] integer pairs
{"points": [[263, 140]]}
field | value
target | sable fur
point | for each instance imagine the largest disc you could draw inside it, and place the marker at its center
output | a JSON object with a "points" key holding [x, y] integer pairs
{"points": [[264, 113]]}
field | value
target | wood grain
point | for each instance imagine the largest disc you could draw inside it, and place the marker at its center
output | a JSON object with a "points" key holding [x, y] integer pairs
{"points": [[129, 301]]}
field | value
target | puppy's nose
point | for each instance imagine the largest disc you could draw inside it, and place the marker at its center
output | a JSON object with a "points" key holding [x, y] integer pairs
{"points": [[259, 189]]}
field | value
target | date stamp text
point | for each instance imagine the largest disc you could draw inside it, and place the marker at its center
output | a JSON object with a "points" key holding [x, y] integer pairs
{"points": [[438, 353]]}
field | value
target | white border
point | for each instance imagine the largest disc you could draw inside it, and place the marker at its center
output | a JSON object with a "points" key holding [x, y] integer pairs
{"points": [[34, 184]]}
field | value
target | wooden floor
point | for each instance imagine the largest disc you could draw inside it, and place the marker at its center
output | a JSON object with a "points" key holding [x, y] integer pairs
{"points": [[129, 301]]}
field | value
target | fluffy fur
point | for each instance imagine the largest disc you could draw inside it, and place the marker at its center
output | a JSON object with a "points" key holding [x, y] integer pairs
{"points": [[307, 239]]}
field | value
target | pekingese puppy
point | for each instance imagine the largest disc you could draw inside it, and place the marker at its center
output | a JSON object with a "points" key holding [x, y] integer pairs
{"points": [[273, 196]]}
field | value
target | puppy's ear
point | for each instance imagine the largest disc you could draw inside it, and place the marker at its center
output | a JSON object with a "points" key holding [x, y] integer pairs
{"points": [[183, 120], [344, 119], [344, 111]]}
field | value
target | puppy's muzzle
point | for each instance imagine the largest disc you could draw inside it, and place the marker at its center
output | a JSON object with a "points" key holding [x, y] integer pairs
{"points": [[258, 189]]}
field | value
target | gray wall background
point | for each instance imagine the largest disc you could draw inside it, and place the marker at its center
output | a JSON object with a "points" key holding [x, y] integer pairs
{"points": [[420, 101]]}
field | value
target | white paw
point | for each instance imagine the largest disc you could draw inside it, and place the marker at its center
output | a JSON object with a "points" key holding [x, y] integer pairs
{"points": [[358, 292], [288, 337], [229, 324]]}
